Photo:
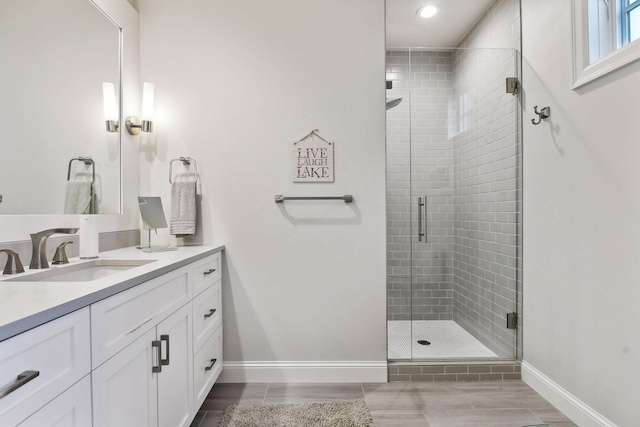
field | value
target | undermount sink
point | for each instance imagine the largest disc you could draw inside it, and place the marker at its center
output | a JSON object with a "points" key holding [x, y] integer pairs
{"points": [[82, 272]]}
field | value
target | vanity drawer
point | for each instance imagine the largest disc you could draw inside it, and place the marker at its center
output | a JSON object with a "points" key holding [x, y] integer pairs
{"points": [[206, 272], [207, 366], [119, 320], [207, 314], [72, 408], [58, 351]]}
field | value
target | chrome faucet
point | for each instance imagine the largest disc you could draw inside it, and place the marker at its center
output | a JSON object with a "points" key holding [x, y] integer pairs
{"points": [[39, 243]]}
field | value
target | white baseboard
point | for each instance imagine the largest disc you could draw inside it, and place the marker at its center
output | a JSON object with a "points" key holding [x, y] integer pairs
{"points": [[304, 372], [578, 411]]}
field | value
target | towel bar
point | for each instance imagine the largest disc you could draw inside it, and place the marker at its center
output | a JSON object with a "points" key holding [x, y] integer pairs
{"points": [[186, 161], [348, 198], [87, 161]]}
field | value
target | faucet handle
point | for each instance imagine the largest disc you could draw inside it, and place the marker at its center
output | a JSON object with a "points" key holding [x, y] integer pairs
{"points": [[60, 256], [13, 265]]}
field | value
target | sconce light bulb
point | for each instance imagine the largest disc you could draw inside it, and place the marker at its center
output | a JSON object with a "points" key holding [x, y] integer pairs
{"points": [[147, 101], [110, 106]]}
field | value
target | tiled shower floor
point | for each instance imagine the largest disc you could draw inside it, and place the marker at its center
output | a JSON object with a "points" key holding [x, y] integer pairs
{"points": [[447, 338]]}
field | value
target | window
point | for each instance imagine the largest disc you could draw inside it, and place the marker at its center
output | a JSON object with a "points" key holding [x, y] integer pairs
{"points": [[605, 35], [630, 20]]}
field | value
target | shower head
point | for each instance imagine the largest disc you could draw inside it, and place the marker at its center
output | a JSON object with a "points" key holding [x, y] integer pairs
{"points": [[393, 102]]}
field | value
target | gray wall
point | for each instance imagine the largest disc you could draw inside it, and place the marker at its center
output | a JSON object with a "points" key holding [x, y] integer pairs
{"points": [[304, 281], [582, 235]]}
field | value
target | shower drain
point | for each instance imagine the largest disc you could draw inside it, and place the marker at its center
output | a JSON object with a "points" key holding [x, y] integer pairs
{"points": [[424, 342]]}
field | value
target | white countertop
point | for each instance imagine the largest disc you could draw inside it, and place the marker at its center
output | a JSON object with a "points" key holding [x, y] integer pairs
{"points": [[25, 305]]}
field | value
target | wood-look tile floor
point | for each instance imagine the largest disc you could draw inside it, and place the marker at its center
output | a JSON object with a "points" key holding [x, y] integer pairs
{"points": [[450, 404]]}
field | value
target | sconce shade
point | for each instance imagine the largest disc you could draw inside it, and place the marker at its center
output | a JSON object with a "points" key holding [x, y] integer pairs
{"points": [[111, 113], [109, 98], [147, 101], [133, 123]]}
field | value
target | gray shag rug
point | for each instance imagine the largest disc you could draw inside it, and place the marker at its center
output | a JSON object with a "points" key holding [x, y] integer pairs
{"points": [[349, 413]]}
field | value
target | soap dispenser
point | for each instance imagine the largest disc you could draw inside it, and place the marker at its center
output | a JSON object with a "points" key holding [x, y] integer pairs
{"points": [[88, 237]]}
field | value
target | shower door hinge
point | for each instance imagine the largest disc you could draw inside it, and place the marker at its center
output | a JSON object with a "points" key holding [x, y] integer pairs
{"points": [[512, 320], [513, 85]]}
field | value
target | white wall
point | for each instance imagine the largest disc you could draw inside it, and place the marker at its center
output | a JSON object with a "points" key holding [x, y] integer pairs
{"points": [[18, 227], [236, 84], [581, 228]]}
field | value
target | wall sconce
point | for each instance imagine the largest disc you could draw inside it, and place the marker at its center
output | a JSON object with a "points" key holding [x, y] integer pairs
{"points": [[111, 113], [134, 126]]}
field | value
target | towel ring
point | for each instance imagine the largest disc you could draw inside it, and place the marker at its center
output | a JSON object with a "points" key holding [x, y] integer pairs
{"points": [[87, 161], [186, 162]]}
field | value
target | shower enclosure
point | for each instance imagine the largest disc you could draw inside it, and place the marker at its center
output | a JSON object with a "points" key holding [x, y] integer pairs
{"points": [[453, 204]]}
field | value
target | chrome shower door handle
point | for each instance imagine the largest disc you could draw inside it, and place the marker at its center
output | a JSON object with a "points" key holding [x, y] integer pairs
{"points": [[422, 219]]}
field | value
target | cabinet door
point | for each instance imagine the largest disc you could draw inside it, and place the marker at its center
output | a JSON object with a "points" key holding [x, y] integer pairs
{"points": [[71, 409], [125, 391], [175, 382]]}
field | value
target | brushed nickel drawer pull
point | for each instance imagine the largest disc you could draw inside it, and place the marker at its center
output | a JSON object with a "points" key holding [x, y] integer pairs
{"points": [[139, 326], [213, 362], [165, 361], [21, 380], [158, 347], [213, 310], [211, 270]]}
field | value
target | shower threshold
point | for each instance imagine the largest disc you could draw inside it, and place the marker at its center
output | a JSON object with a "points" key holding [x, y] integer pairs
{"points": [[447, 340]]}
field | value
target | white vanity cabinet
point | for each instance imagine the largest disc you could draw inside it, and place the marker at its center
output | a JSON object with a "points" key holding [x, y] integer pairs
{"points": [[145, 356], [39, 365], [143, 349]]}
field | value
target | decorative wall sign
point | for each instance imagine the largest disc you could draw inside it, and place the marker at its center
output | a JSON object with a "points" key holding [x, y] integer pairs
{"points": [[313, 159]]}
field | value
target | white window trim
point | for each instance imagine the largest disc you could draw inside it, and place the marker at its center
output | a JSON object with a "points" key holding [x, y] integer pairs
{"points": [[584, 73]]}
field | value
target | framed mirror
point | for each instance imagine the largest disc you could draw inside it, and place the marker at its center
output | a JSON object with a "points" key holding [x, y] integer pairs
{"points": [[56, 55]]}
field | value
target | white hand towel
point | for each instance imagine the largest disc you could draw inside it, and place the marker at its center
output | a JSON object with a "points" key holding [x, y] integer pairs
{"points": [[183, 209], [77, 199]]}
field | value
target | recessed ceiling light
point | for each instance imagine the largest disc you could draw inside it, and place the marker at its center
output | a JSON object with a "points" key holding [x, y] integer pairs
{"points": [[428, 11]]}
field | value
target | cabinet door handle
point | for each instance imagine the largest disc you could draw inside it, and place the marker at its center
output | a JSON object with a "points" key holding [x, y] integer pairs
{"points": [[211, 270], [21, 380], [210, 313], [213, 362], [158, 347], [166, 339]]}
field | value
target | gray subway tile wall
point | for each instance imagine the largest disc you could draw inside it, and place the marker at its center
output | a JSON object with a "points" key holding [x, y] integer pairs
{"points": [[485, 172], [419, 163], [488, 280]]}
